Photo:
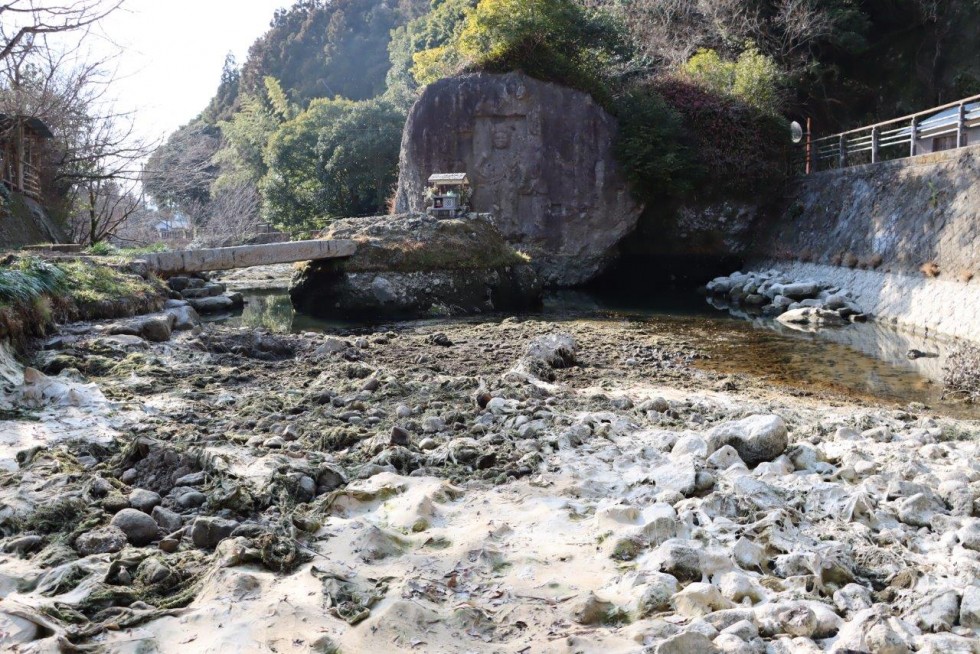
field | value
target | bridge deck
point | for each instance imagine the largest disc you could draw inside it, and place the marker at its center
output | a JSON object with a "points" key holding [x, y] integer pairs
{"points": [[245, 256]]}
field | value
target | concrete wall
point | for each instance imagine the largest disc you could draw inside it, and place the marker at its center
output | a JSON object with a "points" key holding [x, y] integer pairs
{"points": [[870, 229], [893, 216]]}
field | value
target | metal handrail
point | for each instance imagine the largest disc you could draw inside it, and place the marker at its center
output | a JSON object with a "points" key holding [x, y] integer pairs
{"points": [[907, 130]]}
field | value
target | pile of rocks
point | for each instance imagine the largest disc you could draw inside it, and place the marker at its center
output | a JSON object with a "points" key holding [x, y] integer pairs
{"points": [[203, 295], [190, 297], [793, 302], [749, 538]]}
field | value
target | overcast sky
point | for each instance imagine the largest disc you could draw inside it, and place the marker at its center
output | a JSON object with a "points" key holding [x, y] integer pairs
{"points": [[172, 52]]}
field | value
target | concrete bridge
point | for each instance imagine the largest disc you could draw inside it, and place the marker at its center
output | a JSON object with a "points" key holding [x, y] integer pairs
{"points": [[246, 256]]}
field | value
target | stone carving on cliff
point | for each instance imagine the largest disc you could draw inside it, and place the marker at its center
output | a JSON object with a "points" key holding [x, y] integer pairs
{"points": [[540, 160]]}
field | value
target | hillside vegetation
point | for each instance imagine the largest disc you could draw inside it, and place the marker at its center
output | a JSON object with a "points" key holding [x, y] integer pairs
{"points": [[308, 128]]}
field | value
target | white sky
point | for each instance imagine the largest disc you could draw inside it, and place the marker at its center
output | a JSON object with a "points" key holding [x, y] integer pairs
{"points": [[173, 52]]}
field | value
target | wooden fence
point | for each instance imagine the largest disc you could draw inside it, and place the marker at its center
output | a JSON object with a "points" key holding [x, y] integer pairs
{"points": [[20, 176], [944, 127]]}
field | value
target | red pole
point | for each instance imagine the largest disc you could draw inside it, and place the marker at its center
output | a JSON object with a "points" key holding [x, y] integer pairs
{"points": [[809, 145]]}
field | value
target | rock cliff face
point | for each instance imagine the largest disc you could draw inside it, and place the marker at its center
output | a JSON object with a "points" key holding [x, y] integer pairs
{"points": [[25, 222], [539, 158], [414, 265]]}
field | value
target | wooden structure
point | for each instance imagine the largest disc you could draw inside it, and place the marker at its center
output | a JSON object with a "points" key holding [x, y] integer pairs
{"points": [[953, 125], [21, 140], [174, 228], [448, 195]]}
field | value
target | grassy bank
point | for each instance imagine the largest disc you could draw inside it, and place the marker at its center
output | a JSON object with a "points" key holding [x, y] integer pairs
{"points": [[36, 293]]}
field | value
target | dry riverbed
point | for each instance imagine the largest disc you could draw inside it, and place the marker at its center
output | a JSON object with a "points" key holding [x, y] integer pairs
{"points": [[512, 486]]}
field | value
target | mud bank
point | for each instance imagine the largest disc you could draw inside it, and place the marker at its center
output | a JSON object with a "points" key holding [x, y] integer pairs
{"points": [[506, 486]]}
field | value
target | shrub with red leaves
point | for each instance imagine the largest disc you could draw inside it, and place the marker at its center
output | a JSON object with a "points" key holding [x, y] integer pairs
{"points": [[740, 152]]}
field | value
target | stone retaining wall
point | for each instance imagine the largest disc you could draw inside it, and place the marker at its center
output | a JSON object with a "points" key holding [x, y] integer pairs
{"points": [[893, 216]]}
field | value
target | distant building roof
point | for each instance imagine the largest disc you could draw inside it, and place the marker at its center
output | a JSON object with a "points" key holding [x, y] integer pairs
{"points": [[35, 124], [449, 178], [949, 116], [944, 120], [171, 224]]}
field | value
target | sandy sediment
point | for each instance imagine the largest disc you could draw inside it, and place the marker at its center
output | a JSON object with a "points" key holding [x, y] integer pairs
{"points": [[513, 486]]}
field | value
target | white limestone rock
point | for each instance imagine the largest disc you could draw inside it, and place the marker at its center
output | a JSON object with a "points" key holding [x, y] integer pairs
{"points": [[757, 438]]}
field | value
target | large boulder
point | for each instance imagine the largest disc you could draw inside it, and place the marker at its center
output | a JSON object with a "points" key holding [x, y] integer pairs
{"points": [[757, 438], [416, 265], [539, 158]]}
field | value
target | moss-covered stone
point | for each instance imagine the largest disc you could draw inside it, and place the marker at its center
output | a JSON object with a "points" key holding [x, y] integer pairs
{"points": [[417, 266]]}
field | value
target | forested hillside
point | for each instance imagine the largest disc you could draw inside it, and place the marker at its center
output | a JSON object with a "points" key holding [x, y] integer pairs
{"points": [[308, 127]]}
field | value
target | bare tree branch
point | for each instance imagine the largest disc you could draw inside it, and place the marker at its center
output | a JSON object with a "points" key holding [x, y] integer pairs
{"points": [[93, 164], [28, 18]]}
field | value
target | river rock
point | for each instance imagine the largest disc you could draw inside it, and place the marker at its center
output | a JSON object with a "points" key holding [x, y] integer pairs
{"points": [[104, 540], [590, 610], [208, 531], [184, 317], [686, 643], [852, 598], [555, 193], [680, 475], [156, 328], [181, 282], [168, 520], [969, 534], [791, 618], [797, 290], [937, 612], [745, 629], [330, 477], [416, 265], [216, 304], [725, 457], [140, 529], [191, 479], [739, 586], [920, 509], [144, 500], [945, 644], [211, 289], [16, 631], [756, 439], [970, 608], [813, 316], [699, 599], [874, 630], [731, 644], [22, 544], [656, 592], [191, 499], [725, 618], [554, 350], [679, 558]]}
